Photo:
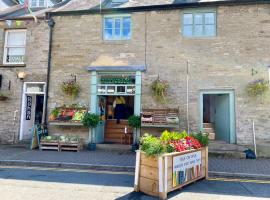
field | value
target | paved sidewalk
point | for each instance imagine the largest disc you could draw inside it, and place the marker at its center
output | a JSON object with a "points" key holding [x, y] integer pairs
{"points": [[124, 160]]}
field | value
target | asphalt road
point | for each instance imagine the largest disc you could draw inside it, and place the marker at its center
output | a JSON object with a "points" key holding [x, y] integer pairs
{"points": [[17, 183]]}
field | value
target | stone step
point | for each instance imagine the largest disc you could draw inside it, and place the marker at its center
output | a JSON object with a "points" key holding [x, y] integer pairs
{"points": [[208, 125], [227, 154], [209, 130], [114, 147]]}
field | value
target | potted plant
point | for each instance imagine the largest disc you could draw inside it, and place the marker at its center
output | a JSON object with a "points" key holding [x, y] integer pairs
{"points": [[70, 88], [91, 121], [3, 96], [135, 122], [160, 89], [54, 114]]}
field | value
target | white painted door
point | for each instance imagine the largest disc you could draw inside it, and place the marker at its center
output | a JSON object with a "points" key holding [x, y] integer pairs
{"points": [[29, 116]]}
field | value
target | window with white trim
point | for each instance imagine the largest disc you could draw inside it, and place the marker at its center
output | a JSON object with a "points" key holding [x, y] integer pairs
{"points": [[38, 3], [117, 27], [14, 49], [199, 24]]}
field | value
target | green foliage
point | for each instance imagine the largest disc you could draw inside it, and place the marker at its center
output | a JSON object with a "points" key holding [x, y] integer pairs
{"points": [[151, 145], [134, 121], [55, 112], [160, 89], [90, 120], [257, 88], [202, 137], [70, 88], [172, 136]]}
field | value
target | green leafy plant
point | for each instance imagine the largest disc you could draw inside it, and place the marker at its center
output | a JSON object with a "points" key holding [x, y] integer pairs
{"points": [[258, 88], [134, 121], [160, 89], [151, 145], [70, 88], [55, 112], [202, 137], [90, 120], [167, 136]]}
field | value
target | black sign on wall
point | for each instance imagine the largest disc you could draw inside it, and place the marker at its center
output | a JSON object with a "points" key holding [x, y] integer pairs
{"points": [[0, 81], [28, 107]]}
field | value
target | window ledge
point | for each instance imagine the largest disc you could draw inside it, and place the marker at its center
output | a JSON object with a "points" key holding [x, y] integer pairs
{"points": [[12, 65]]}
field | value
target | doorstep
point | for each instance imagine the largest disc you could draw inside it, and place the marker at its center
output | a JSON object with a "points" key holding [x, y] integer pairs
{"points": [[114, 147]]}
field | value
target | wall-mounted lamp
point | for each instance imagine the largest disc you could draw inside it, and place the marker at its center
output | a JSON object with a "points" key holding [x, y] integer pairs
{"points": [[21, 75]]}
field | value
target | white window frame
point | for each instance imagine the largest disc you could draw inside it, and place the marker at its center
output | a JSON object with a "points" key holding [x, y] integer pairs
{"points": [[121, 16], [38, 4], [18, 46]]}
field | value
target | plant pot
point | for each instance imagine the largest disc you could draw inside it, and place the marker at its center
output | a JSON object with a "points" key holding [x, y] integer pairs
{"points": [[134, 147], [3, 98], [92, 146]]}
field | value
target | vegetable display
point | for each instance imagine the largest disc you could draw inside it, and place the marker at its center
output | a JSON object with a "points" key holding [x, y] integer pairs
{"points": [[170, 142]]}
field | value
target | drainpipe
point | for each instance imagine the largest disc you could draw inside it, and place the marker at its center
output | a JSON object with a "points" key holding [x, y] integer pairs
{"points": [[51, 24]]}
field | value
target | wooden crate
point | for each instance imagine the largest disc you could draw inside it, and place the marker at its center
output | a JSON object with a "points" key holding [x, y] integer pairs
{"points": [[64, 146], [54, 145], [154, 175]]}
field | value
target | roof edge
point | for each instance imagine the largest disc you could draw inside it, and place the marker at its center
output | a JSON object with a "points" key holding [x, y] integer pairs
{"points": [[156, 7]]}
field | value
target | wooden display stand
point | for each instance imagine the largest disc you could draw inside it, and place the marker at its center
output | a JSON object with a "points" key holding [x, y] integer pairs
{"points": [[70, 146], [155, 176], [53, 145]]}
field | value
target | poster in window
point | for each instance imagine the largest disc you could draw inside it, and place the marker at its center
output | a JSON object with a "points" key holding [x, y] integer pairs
{"points": [[28, 107]]}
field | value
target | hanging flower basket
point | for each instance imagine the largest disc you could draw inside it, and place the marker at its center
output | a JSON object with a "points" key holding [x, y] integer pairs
{"points": [[70, 88], [160, 89], [258, 88]]}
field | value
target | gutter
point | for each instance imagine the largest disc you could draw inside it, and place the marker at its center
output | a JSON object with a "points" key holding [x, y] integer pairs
{"points": [[51, 24], [157, 7]]}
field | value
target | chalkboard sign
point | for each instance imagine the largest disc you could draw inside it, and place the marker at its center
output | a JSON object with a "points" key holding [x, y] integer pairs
{"points": [[28, 107]]}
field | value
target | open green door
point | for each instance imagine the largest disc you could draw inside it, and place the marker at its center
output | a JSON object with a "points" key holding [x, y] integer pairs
{"points": [[222, 117]]}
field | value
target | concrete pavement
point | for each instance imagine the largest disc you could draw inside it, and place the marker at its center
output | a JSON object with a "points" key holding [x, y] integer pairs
{"points": [[58, 184], [124, 161]]}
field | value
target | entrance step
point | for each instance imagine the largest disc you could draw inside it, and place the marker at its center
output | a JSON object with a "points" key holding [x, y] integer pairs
{"points": [[208, 125], [224, 150], [24, 144], [114, 147]]}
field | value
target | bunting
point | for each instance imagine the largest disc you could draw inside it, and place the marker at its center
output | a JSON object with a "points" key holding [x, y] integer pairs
{"points": [[27, 8]]}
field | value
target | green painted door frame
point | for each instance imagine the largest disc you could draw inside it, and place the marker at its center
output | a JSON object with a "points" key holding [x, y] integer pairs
{"points": [[94, 98], [232, 110]]}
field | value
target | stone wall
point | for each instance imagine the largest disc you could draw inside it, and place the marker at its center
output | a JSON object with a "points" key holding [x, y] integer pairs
{"points": [[223, 62], [35, 69]]}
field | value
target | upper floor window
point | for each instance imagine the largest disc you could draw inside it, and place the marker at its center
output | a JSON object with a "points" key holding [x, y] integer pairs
{"points": [[38, 3], [199, 24], [14, 49], [117, 27]]}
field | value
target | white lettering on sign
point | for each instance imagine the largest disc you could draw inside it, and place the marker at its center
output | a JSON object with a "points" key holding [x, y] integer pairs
{"points": [[180, 163]]}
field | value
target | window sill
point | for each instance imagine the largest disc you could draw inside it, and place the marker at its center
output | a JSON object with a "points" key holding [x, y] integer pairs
{"points": [[12, 65]]}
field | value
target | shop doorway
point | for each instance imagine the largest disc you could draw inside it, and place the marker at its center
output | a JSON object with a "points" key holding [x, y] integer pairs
{"points": [[114, 112], [218, 118], [33, 102]]}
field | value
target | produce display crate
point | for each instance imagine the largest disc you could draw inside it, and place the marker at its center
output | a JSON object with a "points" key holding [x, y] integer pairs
{"points": [[157, 176], [70, 146], [165, 116], [49, 145]]}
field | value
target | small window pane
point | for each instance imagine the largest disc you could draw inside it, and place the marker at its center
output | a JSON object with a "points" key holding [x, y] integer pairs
{"points": [[108, 34], [188, 30], [198, 19], [126, 22], [117, 23], [198, 30], [126, 33], [188, 19], [16, 38], [117, 33], [210, 30], [108, 23], [34, 3], [41, 3], [209, 18]]}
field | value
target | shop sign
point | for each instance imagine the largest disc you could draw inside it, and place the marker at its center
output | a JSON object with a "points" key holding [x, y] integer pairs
{"points": [[186, 167], [28, 107]]}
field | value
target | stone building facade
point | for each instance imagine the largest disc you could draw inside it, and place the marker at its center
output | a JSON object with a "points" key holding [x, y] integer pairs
{"points": [[225, 62]]}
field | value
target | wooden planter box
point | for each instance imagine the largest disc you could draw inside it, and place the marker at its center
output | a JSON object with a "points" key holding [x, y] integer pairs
{"points": [[157, 176]]}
